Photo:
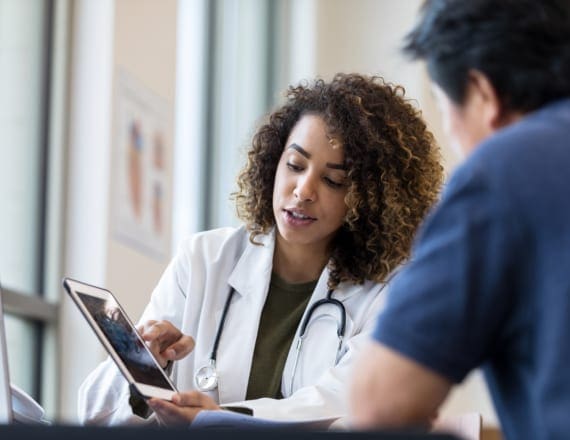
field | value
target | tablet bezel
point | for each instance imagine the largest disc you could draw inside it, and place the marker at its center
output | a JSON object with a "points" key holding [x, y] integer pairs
{"points": [[73, 288]]}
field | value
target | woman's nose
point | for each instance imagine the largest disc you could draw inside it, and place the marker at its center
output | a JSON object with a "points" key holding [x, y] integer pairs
{"points": [[305, 190]]}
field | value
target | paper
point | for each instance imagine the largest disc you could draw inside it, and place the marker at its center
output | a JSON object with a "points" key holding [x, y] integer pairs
{"points": [[229, 419]]}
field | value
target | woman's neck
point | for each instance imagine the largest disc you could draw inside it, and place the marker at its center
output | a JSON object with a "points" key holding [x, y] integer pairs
{"points": [[298, 264]]}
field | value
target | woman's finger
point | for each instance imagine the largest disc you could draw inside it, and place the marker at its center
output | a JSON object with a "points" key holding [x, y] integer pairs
{"points": [[195, 399], [179, 349]]}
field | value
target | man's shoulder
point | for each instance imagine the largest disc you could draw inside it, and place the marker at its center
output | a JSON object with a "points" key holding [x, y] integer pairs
{"points": [[519, 154], [545, 131]]}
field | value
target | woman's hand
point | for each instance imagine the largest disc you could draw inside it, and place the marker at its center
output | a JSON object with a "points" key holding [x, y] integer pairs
{"points": [[183, 408], [165, 341]]}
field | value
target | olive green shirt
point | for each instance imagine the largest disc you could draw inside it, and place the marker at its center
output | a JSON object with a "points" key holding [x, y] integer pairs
{"points": [[280, 318]]}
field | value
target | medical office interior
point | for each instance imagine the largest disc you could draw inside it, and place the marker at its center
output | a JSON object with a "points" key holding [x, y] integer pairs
{"points": [[123, 127]]}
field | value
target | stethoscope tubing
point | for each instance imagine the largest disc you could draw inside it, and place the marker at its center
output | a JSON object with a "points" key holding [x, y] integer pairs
{"points": [[328, 300], [213, 354], [341, 327]]}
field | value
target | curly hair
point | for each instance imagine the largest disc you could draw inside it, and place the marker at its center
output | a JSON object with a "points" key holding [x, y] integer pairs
{"points": [[394, 173]]}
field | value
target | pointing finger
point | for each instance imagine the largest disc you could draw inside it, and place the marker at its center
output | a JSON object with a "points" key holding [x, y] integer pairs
{"points": [[180, 348]]}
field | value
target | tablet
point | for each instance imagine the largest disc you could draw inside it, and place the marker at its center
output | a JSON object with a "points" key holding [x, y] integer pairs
{"points": [[121, 339]]}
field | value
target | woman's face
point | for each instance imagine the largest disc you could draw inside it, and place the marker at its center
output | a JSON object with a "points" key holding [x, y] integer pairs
{"points": [[310, 186]]}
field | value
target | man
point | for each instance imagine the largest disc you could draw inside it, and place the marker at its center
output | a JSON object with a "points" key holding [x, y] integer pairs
{"points": [[489, 282]]}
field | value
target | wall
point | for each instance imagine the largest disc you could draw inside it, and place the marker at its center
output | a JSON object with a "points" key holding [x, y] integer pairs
{"points": [[139, 37], [366, 36], [85, 233], [145, 48]]}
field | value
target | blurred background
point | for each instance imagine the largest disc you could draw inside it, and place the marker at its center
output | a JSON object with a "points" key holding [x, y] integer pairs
{"points": [[124, 125]]}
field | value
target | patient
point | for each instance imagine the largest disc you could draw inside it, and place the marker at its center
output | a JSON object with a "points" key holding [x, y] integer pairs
{"points": [[337, 181]]}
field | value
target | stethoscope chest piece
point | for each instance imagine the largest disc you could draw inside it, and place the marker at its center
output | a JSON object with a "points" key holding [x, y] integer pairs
{"points": [[206, 378]]}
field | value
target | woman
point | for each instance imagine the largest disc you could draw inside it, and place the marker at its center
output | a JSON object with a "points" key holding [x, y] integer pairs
{"points": [[337, 181]]}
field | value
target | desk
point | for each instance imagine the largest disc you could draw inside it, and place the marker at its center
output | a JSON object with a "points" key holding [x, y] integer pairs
{"points": [[63, 432]]}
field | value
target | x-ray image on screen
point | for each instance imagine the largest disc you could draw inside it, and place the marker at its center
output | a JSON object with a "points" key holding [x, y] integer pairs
{"points": [[125, 341]]}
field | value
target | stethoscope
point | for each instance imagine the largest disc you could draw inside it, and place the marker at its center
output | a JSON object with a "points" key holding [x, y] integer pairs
{"points": [[206, 378]]}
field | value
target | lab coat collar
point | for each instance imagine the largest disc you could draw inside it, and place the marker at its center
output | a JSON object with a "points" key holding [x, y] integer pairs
{"points": [[345, 291], [252, 273]]}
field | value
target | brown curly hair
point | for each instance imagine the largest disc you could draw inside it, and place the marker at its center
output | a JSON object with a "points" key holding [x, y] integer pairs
{"points": [[393, 165]]}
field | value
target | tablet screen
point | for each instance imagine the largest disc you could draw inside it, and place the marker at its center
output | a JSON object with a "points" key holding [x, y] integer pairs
{"points": [[124, 340]]}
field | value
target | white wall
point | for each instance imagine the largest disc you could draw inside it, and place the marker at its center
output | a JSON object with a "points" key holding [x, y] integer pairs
{"points": [[145, 47], [139, 37], [330, 36], [88, 182], [366, 36]]}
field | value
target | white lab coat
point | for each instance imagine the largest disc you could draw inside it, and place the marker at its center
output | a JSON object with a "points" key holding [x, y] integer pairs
{"points": [[192, 293]]}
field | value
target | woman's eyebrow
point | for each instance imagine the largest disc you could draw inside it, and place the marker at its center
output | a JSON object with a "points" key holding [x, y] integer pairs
{"points": [[300, 149], [305, 153]]}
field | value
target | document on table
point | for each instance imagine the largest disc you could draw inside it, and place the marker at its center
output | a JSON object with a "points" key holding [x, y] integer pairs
{"points": [[229, 419]]}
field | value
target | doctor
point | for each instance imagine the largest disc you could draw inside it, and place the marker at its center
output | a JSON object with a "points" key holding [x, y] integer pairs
{"points": [[267, 318]]}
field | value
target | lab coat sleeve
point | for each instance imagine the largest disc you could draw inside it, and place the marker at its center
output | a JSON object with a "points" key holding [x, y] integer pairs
{"points": [[328, 397], [103, 397]]}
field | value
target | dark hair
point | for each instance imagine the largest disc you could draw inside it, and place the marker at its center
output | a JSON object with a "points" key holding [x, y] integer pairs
{"points": [[522, 46], [394, 172]]}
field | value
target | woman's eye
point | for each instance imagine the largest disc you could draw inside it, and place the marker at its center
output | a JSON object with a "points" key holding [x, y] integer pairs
{"points": [[333, 183], [293, 167]]}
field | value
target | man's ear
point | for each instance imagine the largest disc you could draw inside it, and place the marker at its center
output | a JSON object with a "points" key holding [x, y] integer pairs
{"points": [[490, 106]]}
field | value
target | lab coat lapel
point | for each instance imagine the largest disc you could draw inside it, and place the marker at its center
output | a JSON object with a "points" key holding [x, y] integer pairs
{"points": [[250, 279], [316, 341]]}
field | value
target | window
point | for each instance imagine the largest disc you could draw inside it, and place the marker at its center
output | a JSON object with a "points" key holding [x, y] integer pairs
{"points": [[26, 124], [235, 41]]}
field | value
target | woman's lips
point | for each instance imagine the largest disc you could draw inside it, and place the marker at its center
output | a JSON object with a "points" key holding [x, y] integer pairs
{"points": [[297, 218]]}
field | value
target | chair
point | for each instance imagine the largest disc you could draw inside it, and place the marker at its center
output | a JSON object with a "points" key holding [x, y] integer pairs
{"points": [[466, 426]]}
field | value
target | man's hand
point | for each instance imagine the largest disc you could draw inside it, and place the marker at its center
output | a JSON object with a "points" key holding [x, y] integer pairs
{"points": [[165, 341], [183, 408]]}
